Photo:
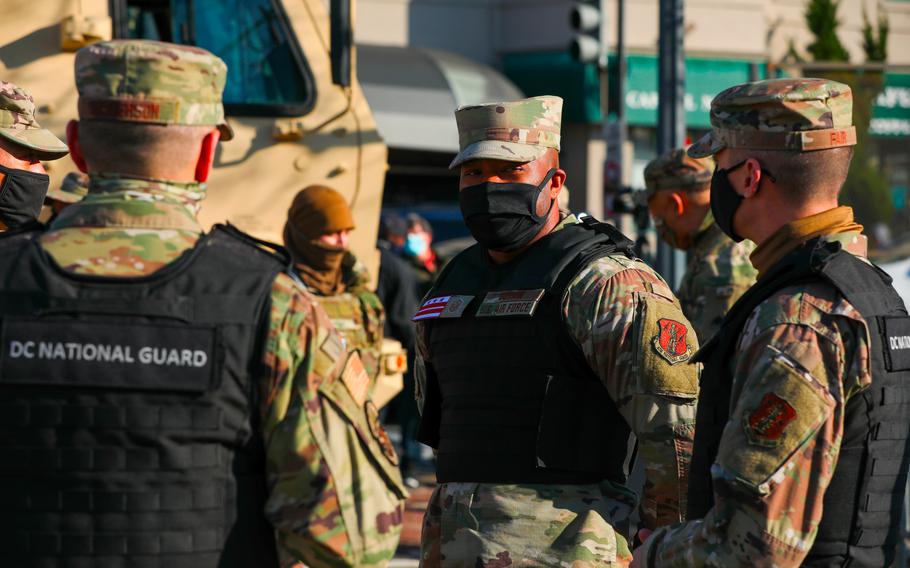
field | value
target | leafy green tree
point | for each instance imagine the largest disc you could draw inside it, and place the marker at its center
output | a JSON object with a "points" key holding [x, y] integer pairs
{"points": [[821, 17], [875, 41], [866, 189]]}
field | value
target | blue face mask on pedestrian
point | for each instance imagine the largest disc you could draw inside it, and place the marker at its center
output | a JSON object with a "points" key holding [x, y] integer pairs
{"points": [[415, 245]]}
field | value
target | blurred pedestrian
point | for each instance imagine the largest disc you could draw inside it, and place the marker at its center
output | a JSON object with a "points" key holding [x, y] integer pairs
{"points": [[23, 143], [418, 249], [718, 270], [317, 234]]}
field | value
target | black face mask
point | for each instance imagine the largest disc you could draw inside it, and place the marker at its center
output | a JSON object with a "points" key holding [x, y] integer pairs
{"points": [[21, 196], [725, 201], [503, 216]]}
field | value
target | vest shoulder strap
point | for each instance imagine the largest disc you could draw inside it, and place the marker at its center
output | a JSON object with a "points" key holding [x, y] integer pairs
{"points": [[276, 252], [620, 242]]}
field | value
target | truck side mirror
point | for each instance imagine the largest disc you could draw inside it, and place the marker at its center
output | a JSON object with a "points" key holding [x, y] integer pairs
{"points": [[342, 42]]}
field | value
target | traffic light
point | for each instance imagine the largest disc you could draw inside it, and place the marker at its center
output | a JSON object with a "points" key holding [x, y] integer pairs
{"points": [[589, 43]]}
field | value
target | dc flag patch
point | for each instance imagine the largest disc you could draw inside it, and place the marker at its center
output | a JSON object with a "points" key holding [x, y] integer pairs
{"points": [[442, 307]]}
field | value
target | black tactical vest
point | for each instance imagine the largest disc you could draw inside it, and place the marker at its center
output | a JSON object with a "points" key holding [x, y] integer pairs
{"points": [[128, 410], [862, 506], [510, 397]]}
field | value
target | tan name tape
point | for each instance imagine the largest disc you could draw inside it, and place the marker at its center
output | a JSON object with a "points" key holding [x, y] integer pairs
{"points": [[538, 136], [805, 140], [147, 110]]}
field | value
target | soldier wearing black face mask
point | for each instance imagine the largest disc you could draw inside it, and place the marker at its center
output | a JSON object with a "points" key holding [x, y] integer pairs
{"points": [[803, 430], [23, 181], [541, 349]]}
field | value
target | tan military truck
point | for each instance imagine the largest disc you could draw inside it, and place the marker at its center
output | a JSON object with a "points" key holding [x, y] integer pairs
{"points": [[292, 97]]}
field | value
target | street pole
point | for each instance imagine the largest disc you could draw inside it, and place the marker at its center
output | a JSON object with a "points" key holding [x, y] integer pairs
{"points": [[621, 86], [671, 113]]}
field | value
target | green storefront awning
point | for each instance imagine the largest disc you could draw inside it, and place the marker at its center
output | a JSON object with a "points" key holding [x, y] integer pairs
{"points": [[555, 73], [891, 114]]}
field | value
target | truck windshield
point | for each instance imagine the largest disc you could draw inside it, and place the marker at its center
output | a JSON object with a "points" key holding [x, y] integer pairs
{"points": [[267, 72]]}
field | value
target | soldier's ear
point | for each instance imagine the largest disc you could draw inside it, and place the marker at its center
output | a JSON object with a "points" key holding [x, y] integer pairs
{"points": [[679, 202], [556, 183], [207, 155], [72, 141]]}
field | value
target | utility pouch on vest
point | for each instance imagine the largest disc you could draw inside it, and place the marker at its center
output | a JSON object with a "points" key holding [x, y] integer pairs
{"points": [[572, 410]]}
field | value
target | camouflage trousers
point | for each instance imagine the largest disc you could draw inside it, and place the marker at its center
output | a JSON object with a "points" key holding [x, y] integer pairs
{"points": [[477, 525]]}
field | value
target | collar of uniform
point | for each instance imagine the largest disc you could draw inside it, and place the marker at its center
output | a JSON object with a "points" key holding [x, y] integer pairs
{"points": [[569, 219], [832, 225], [137, 203]]}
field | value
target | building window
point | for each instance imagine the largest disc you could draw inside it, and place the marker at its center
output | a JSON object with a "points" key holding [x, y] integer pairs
{"points": [[267, 72]]}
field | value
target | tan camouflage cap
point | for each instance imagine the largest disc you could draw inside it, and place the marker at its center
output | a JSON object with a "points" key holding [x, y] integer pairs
{"points": [[516, 131], [800, 115], [676, 170], [18, 124], [72, 190], [153, 82]]}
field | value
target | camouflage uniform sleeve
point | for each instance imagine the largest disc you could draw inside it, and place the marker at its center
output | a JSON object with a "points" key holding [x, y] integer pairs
{"points": [[792, 379], [636, 339], [334, 492]]}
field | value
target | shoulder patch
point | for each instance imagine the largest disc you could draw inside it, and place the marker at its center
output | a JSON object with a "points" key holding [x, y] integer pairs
{"points": [[778, 415], [766, 423], [670, 341], [665, 343]]}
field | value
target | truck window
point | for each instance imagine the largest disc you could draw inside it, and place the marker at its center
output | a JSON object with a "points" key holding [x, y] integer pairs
{"points": [[267, 72]]}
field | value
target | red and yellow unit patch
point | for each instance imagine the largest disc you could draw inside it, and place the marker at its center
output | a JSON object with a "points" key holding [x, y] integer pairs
{"points": [[766, 424], [670, 341]]}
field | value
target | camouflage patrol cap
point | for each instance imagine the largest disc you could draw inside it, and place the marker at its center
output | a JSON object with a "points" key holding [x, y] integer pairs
{"points": [[72, 190], [18, 124], [152, 82], [516, 131], [676, 170], [800, 115]]}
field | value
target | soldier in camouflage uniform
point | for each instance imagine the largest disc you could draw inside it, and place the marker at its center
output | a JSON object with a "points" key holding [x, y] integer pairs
{"points": [[718, 269], [800, 454], [72, 190], [23, 142], [540, 349], [291, 467], [316, 233]]}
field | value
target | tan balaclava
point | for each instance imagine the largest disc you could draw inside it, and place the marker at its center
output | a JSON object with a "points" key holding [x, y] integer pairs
{"points": [[318, 210]]}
